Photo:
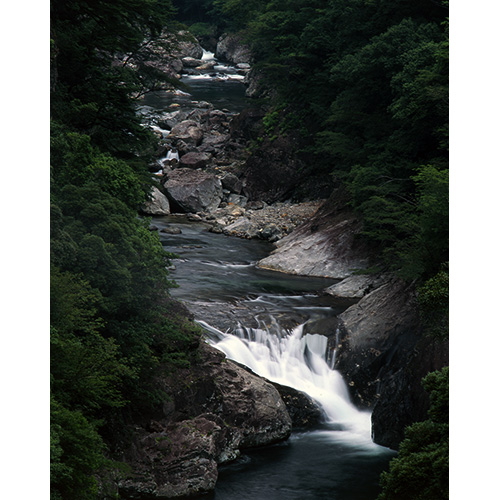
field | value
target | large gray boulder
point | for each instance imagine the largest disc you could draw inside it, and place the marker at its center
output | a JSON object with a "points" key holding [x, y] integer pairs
{"points": [[193, 190], [194, 159], [187, 131], [218, 409]]}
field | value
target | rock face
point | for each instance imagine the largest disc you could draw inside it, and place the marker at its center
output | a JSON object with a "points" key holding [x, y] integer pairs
{"points": [[383, 356], [165, 53], [304, 411], [355, 287], [158, 205], [273, 171], [194, 190], [231, 48], [219, 410], [326, 245]]}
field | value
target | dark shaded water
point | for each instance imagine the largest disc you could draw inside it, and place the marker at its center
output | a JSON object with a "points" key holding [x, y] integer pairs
{"points": [[335, 462], [310, 465]]}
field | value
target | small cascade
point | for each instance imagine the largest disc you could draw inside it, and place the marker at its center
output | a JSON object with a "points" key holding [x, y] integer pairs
{"points": [[298, 361], [207, 56]]}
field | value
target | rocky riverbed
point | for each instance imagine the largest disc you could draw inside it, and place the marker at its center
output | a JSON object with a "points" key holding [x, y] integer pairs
{"points": [[205, 171]]}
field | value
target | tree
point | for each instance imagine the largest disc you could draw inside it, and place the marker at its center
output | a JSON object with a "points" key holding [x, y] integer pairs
{"points": [[92, 89], [421, 471]]}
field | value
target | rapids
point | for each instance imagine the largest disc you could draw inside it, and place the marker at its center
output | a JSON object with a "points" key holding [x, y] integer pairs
{"points": [[280, 326], [275, 324]]}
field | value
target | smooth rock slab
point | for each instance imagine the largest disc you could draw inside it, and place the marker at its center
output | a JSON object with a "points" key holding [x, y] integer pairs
{"points": [[354, 287], [325, 254]]}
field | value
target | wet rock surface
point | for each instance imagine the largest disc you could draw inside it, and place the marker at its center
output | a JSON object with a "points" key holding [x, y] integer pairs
{"points": [[383, 355]]}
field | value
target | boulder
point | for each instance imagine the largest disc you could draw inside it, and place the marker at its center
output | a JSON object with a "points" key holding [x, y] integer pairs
{"points": [[187, 131], [185, 45], [206, 65], [169, 120], [303, 410], [157, 205], [194, 160], [236, 199], [191, 62], [179, 459], [232, 183], [214, 143], [194, 190], [271, 232], [218, 409]]}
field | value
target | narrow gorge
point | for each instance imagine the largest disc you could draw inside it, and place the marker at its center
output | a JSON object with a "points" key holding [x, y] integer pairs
{"points": [[279, 288], [249, 264]]}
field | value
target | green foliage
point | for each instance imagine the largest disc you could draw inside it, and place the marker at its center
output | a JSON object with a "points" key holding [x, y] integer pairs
{"points": [[75, 161], [92, 85], [421, 470], [366, 84], [202, 30], [111, 327], [76, 452], [433, 298]]}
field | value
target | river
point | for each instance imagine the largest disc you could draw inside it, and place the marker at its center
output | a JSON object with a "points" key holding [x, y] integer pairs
{"points": [[267, 320], [275, 324]]}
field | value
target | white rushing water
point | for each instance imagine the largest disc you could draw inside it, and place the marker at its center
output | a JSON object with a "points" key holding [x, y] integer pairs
{"points": [[298, 361]]}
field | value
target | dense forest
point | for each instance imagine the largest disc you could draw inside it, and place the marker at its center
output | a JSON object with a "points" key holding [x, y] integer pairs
{"points": [[366, 89], [112, 326]]}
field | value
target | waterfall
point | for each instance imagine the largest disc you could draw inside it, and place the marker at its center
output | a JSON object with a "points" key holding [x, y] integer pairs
{"points": [[207, 55], [299, 361]]}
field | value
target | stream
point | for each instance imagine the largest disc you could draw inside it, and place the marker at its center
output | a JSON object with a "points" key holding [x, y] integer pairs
{"points": [[267, 321], [283, 328]]}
